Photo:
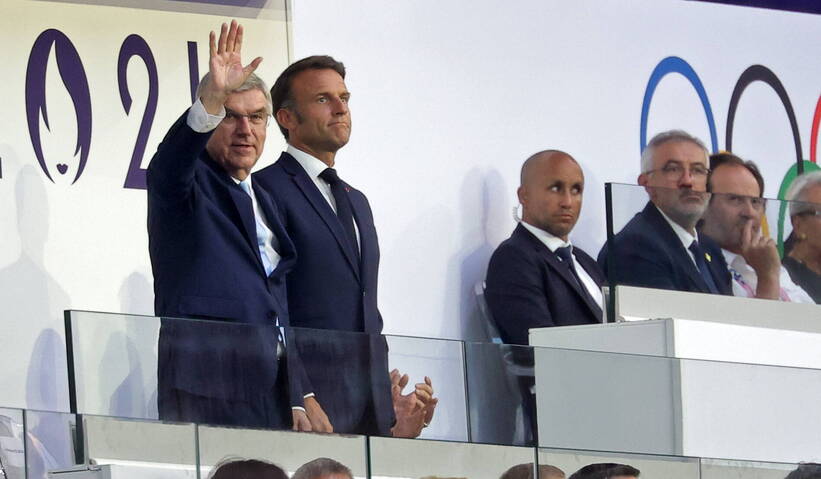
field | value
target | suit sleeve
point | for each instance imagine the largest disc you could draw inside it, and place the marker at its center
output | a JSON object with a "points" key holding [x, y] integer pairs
{"points": [[516, 294], [298, 383], [170, 175]]}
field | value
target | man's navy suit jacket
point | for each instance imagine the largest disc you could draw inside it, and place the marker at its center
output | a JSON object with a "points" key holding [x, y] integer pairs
{"points": [[207, 265], [331, 287], [528, 286], [647, 253]]}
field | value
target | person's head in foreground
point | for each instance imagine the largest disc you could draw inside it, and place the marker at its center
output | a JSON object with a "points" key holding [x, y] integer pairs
{"points": [[323, 468], [606, 470], [233, 468], [525, 471], [807, 470]]}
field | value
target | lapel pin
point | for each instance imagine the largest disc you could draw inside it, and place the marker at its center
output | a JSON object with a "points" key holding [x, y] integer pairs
{"points": [[709, 258]]}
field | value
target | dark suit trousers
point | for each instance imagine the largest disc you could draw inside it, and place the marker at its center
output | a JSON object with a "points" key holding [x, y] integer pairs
{"points": [[269, 410], [340, 368]]}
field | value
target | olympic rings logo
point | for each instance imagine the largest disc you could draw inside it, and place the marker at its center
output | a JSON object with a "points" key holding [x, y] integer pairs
{"points": [[755, 73]]}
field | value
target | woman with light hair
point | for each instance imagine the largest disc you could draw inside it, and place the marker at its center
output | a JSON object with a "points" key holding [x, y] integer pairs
{"points": [[802, 257]]}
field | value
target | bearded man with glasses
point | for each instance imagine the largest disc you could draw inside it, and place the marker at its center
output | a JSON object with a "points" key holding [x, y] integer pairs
{"points": [[660, 247]]}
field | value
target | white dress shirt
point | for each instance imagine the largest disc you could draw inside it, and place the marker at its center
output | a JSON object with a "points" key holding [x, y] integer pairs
{"points": [[314, 167], [744, 275], [553, 243], [683, 235]]}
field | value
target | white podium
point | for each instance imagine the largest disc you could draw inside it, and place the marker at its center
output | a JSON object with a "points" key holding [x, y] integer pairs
{"points": [[685, 387]]}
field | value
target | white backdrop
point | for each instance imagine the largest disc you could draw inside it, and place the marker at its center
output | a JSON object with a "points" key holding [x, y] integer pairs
{"points": [[448, 100]]}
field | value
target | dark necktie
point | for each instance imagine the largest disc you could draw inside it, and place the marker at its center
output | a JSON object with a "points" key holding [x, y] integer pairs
{"points": [[343, 207], [565, 253], [698, 253]]}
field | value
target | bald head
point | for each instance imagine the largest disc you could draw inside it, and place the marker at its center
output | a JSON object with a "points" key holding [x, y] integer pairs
{"points": [[543, 159], [551, 189]]}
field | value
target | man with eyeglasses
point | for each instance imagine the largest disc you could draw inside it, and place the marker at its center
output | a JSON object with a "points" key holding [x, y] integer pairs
{"points": [[733, 219], [660, 247], [219, 252]]}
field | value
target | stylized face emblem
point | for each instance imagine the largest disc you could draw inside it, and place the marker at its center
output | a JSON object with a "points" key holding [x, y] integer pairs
{"points": [[74, 78]]}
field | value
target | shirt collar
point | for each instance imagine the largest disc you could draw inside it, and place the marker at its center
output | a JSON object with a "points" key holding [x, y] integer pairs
{"points": [[552, 242], [683, 235], [735, 261], [312, 165]]}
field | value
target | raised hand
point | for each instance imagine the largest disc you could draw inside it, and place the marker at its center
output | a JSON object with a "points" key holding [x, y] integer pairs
{"points": [[761, 254], [226, 72]]}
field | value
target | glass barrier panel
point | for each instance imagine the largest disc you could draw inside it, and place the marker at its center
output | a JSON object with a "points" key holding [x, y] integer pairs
{"points": [[249, 375], [677, 407], [145, 448], [12, 444], [288, 450], [425, 459], [442, 362], [501, 393], [649, 466], [726, 469], [112, 363], [51, 442], [650, 233]]}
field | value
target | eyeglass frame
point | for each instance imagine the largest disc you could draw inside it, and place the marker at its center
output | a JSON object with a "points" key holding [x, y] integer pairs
{"points": [[666, 170], [232, 117]]}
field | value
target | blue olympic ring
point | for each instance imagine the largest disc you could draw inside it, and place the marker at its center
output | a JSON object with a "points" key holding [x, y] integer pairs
{"points": [[665, 67]]}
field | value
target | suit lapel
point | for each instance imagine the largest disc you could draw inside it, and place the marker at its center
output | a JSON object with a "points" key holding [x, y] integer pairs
{"points": [[286, 249], [242, 205], [321, 206], [679, 252], [561, 270]]}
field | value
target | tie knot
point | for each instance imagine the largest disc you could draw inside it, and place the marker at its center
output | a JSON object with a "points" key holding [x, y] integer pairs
{"points": [[565, 253], [695, 248], [246, 186], [329, 175]]}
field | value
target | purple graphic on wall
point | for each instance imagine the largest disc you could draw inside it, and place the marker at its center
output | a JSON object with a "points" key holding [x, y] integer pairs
{"points": [[135, 45], [74, 78]]}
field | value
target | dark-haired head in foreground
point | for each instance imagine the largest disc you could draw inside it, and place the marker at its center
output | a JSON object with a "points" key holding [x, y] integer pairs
{"points": [[323, 468], [247, 469], [525, 471], [807, 470], [606, 470]]}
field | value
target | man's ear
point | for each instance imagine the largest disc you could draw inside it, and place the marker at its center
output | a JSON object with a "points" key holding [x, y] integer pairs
{"points": [[522, 194], [285, 118]]}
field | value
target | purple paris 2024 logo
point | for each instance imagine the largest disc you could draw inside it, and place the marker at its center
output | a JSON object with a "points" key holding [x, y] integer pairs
{"points": [[74, 78]]}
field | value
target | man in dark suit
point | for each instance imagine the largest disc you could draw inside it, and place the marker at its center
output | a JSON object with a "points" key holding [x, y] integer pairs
{"points": [[536, 278], [219, 251], [334, 283], [660, 247]]}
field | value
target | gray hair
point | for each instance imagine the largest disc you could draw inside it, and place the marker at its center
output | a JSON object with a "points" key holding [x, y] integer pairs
{"points": [[665, 137], [253, 82], [800, 189], [321, 466]]}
